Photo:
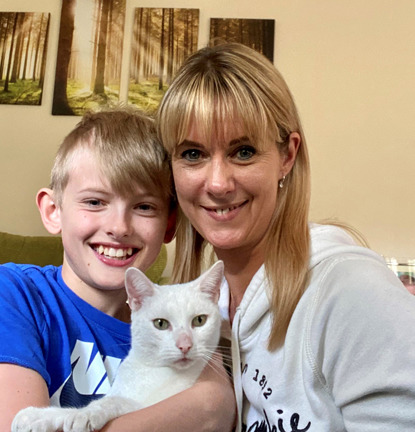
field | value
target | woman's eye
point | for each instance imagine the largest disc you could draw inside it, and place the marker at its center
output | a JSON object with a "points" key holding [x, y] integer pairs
{"points": [[161, 324], [191, 155], [199, 320], [245, 153]]}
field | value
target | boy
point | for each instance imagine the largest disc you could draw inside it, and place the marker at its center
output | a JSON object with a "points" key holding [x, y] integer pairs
{"points": [[65, 330]]}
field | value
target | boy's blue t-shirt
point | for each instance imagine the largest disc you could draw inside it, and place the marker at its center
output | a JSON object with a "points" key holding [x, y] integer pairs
{"points": [[46, 327]]}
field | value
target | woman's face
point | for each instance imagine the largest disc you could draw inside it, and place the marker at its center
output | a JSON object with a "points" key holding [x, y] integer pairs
{"points": [[227, 187]]}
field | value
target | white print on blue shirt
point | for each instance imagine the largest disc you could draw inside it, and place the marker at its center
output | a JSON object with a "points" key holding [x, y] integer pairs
{"points": [[90, 378]]}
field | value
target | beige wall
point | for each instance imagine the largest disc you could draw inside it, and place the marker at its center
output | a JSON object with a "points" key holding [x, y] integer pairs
{"points": [[351, 67]]}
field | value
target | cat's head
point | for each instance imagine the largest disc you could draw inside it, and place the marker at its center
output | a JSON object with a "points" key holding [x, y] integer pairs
{"points": [[175, 325]]}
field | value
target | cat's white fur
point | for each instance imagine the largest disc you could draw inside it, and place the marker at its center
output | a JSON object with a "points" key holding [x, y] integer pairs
{"points": [[160, 363]]}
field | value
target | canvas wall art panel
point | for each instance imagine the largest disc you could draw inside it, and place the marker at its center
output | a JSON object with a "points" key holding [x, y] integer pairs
{"points": [[255, 33], [162, 39], [23, 50], [88, 66]]}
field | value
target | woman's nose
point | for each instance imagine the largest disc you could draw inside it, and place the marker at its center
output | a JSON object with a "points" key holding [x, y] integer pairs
{"points": [[220, 178]]}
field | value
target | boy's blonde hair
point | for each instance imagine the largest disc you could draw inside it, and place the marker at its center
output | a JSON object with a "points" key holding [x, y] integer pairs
{"points": [[128, 151], [232, 82]]}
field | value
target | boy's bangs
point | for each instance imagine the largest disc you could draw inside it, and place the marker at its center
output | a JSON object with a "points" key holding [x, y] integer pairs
{"points": [[140, 166]]}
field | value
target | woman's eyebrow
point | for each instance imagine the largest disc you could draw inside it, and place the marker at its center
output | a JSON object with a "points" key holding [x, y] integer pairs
{"points": [[187, 142], [232, 143], [239, 140]]}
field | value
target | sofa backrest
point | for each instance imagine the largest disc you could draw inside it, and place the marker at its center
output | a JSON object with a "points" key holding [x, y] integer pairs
{"points": [[45, 250]]}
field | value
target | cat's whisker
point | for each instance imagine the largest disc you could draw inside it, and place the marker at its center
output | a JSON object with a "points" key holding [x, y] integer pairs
{"points": [[217, 366]]}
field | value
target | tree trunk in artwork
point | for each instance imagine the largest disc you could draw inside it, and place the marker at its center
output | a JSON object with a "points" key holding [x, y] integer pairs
{"points": [[37, 53], [99, 87], [29, 36], [268, 39], [60, 99], [95, 38], [147, 45], [6, 28], [138, 65], [138, 46], [18, 48], [6, 81], [170, 45], [161, 62], [44, 53]]}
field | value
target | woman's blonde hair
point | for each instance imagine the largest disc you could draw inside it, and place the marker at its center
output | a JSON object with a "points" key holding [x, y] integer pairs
{"points": [[231, 82], [128, 151]]}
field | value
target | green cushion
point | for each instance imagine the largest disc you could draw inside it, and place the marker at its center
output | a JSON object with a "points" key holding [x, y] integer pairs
{"points": [[45, 250], [40, 250]]}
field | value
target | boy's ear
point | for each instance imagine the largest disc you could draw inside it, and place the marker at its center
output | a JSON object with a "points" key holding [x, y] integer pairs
{"points": [[49, 211], [171, 226]]}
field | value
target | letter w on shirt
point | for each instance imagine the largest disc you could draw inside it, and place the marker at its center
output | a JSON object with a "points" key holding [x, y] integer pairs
{"points": [[90, 376]]}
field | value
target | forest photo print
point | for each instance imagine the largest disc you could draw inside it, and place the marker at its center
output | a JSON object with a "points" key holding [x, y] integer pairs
{"points": [[162, 39], [23, 48], [88, 66], [257, 34]]}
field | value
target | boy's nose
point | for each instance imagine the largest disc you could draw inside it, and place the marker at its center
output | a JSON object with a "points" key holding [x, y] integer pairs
{"points": [[119, 224]]}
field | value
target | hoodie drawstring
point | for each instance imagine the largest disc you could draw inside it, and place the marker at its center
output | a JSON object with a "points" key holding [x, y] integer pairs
{"points": [[236, 368]]}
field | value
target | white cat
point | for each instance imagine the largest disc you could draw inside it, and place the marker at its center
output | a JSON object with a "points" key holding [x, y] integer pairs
{"points": [[174, 332]]}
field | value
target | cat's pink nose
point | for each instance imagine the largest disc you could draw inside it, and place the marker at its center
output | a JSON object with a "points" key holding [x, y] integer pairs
{"points": [[184, 343]]}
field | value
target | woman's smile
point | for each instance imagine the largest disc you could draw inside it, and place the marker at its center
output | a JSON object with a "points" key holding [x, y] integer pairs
{"points": [[225, 213]]}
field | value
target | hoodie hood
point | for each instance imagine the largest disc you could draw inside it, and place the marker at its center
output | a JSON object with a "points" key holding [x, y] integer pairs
{"points": [[327, 241]]}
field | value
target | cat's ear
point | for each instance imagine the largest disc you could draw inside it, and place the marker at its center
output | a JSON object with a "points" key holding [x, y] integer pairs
{"points": [[211, 280], [138, 287]]}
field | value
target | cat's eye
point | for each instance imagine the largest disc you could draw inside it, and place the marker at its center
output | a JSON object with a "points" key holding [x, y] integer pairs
{"points": [[161, 324], [199, 321]]}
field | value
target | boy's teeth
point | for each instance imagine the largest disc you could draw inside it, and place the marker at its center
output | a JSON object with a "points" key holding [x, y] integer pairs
{"points": [[114, 253]]}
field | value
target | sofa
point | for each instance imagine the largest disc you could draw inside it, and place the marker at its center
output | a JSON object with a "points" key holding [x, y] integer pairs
{"points": [[45, 250]]}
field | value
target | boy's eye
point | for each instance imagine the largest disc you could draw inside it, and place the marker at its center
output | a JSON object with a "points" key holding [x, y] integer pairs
{"points": [[94, 202], [191, 155], [144, 207], [161, 324], [245, 153], [199, 321]]}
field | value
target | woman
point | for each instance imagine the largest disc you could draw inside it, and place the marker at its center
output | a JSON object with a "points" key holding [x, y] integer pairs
{"points": [[322, 332]]}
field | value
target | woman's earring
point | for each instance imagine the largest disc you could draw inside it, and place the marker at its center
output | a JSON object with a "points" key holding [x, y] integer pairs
{"points": [[281, 182]]}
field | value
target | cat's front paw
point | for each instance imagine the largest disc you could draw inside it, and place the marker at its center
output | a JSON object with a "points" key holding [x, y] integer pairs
{"points": [[33, 419], [86, 419]]}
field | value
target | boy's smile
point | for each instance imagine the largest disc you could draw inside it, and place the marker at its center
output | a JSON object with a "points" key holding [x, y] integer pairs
{"points": [[114, 253], [104, 233]]}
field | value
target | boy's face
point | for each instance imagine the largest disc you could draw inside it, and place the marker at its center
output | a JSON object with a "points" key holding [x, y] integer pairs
{"points": [[104, 234]]}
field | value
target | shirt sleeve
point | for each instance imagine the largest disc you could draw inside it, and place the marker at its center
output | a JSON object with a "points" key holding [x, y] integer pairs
{"points": [[23, 329], [363, 337]]}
